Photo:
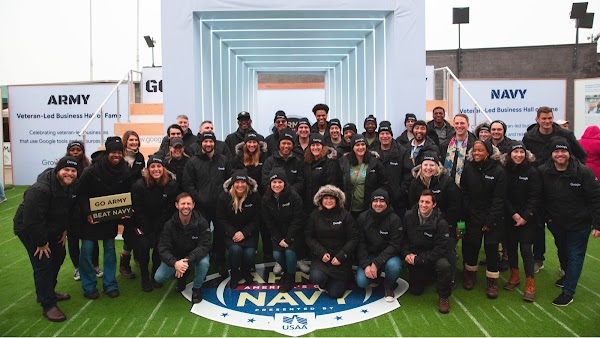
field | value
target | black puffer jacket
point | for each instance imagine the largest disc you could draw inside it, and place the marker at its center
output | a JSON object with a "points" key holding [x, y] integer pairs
{"points": [[570, 198], [176, 167], [483, 190], [247, 221], [236, 137], [101, 179], [429, 241], [272, 142], [322, 172], [334, 232], [504, 145], [524, 195], [153, 206], [203, 178], [376, 178], [137, 166], [46, 209], [220, 147], [540, 147], [447, 195], [178, 241], [253, 171], [293, 167], [380, 236], [284, 217], [398, 165], [434, 136]]}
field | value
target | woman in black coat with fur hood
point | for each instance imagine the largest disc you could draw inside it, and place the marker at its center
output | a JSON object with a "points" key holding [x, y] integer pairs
{"points": [[332, 237], [238, 213]]}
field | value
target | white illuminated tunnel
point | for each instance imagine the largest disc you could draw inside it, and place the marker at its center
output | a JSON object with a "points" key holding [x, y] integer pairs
{"points": [[371, 53]]}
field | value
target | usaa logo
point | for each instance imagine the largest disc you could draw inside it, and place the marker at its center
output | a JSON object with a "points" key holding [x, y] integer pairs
{"points": [[258, 304]]}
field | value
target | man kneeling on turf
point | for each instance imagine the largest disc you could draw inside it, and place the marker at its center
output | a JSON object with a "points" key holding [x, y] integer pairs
{"points": [[379, 246], [425, 247], [185, 242]]}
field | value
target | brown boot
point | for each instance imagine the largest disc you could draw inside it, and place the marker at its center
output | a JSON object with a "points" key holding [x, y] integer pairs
{"points": [[444, 305], [513, 281], [469, 278], [529, 294], [492, 288]]}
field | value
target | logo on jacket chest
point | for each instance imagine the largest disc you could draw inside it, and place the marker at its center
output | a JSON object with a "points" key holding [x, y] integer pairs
{"points": [[286, 204], [393, 163], [294, 171], [195, 237], [524, 178], [575, 184], [436, 191], [248, 205], [488, 177], [221, 168], [381, 232], [336, 222], [428, 234]]}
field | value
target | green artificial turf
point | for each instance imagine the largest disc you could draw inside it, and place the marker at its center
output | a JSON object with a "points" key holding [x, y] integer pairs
{"points": [[164, 312]]}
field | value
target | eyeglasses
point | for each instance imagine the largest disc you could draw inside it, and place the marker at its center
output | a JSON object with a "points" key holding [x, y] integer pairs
{"points": [[281, 121]]}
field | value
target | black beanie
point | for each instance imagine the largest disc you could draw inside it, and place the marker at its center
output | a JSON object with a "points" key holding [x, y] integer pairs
{"points": [[517, 145], [76, 143], [67, 161], [303, 120], [113, 143], [380, 194], [420, 123], [488, 146], [350, 126], [251, 137], [502, 123], [316, 138], [370, 118], [239, 175], [206, 136], [410, 117], [429, 156], [154, 159], [386, 128], [559, 143], [335, 122], [287, 134], [278, 173], [357, 138], [280, 114]]}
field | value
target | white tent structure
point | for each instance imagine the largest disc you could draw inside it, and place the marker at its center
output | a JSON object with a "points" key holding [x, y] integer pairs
{"points": [[371, 53]]}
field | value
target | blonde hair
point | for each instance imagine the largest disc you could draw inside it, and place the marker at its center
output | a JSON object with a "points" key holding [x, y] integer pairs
{"points": [[251, 159], [438, 171], [237, 202]]}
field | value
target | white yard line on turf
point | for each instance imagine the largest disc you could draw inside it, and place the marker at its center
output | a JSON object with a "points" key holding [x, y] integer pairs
{"points": [[195, 323], [72, 320], [129, 326], [13, 263], [96, 328], [376, 322], [588, 289], [81, 326], [15, 302], [226, 331], [548, 313], [210, 327], [485, 314], [40, 334], [473, 319], [394, 326], [8, 240], [500, 313], [149, 320], [531, 313], [12, 328], [22, 334], [112, 327], [177, 327], [592, 257], [581, 314], [564, 313], [161, 326], [407, 318], [424, 319], [520, 316]]}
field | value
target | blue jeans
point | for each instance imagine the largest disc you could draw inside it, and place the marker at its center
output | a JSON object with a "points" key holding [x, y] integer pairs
{"points": [[572, 246], [392, 272], [287, 259], [45, 270], [86, 268], [2, 194], [241, 258], [165, 273]]}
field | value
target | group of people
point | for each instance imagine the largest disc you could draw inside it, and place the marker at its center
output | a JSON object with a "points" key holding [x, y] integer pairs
{"points": [[323, 193]]}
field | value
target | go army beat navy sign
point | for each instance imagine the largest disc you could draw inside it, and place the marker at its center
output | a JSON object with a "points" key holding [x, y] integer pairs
{"points": [[111, 207], [259, 305]]}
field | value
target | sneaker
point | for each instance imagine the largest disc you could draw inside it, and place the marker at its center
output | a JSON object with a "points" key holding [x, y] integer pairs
{"points": [[277, 269], [561, 273], [181, 284], [4, 199], [303, 266], [560, 283], [537, 266], [322, 288], [98, 272], [389, 295], [196, 295], [444, 305], [563, 299], [76, 275], [113, 293]]}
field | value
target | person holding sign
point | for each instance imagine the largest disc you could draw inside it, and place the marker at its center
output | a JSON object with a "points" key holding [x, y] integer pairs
{"points": [[41, 223], [153, 201], [109, 175]]}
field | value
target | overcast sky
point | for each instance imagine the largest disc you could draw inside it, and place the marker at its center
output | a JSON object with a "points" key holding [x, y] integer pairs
{"points": [[47, 41]]}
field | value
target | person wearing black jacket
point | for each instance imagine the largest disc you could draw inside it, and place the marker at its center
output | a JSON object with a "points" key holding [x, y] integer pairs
{"points": [[176, 160], [238, 215], [332, 237], [439, 130], [538, 140], [420, 141], [181, 130], [302, 137], [397, 164], [362, 173], [320, 168], [345, 146], [283, 215], [41, 224], [285, 158], [499, 138], [425, 248], [281, 122], [429, 174], [153, 201], [108, 176], [184, 243], [453, 152], [483, 189], [244, 126], [320, 111], [406, 137], [522, 214], [220, 146], [335, 134], [571, 208], [203, 177], [380, 233]]}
